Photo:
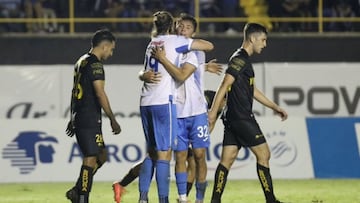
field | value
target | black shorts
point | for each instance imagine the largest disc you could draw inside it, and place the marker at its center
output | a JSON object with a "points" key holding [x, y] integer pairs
{"points": [[243, 133], [90, 141]]}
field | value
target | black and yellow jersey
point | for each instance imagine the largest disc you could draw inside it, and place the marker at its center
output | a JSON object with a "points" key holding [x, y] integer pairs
{"points": [[240, 95], [85, 106]]}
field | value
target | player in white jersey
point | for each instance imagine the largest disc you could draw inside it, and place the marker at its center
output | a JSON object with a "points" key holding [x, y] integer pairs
{"points": [[157, 108], [191, 111]]}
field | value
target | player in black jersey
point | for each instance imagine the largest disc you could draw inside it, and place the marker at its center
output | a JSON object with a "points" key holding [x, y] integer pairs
{"points": [[87, 100], [241, 128]]}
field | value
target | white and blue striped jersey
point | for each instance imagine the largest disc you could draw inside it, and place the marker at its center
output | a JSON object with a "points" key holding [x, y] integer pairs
{"points": [[190, 94], [162, 92]]}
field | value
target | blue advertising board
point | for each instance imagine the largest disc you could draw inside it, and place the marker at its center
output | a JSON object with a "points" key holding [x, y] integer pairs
{"points": [[334, 145]]}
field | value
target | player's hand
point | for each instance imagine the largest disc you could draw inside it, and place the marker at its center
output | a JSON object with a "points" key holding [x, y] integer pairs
{"points": [[116, 129], [151, 77], [213, 67], [70, 129], [158, 52], [282, 113]]}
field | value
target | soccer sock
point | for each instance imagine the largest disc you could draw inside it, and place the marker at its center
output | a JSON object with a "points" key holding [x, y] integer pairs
{"points": [[98, 165], [93, 173], [200, 190], [266, 182], [221, 174], [181, 180], [163, 200], [127, 179], [84, 184], [145, 176], [188, 188], [163, 179]]}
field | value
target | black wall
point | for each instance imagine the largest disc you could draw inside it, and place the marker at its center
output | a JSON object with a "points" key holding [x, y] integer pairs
{"points": [[130, 50]]}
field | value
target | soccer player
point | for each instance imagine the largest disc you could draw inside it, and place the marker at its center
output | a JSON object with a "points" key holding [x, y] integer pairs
{"points": [[133, 173], [87, 100], [157, 107], [240, 126], [191, 111]]}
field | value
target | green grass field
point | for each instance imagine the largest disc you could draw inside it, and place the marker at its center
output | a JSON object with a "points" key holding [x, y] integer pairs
{"points": [[247, 191]]}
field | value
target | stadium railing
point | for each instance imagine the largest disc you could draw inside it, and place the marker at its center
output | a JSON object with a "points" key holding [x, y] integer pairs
{"points": [[72, 20]]}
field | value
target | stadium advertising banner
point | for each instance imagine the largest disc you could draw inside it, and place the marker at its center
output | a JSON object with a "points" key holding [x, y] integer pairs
{"points": [[335, 146], [314, 89], [38, 150], [30, 92]]}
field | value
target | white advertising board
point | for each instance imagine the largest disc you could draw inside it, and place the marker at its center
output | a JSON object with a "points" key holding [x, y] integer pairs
{"points": [[30, 91], [38, 150], [315, 89], [44, 91]]}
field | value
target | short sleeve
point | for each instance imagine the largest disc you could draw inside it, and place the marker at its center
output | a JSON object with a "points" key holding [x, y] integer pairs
{"points": [[97, 71], [184, 44], [235, 66], [189, 57]]}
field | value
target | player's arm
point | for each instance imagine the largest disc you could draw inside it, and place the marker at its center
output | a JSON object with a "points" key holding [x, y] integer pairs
{"points": [[70, 128], [99, 86], [213, 67], [149, 76], [179, 74], [201, 45], [260, 97], [225, 85]]}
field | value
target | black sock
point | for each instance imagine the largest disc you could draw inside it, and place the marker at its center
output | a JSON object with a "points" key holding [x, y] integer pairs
{"points": [[127, 179], [266, 182], [219, 183], [94, 171], [188, 188], [84, 184]]}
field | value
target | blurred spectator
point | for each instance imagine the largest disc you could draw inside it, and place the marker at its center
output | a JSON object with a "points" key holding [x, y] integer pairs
{"points": [[33, 10], [41, 9], [231, 8], [209, 8], [293, 8], [307, 9], [113, 9], [143, 8], [186, 6], [342, 9], [47, 11], [175, 7], [62, 11], [11, 9], [275, 11], [145, 13], [89, 9]]}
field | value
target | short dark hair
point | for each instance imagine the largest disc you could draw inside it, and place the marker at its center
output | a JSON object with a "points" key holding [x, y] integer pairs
{"points": [[185, 16], [251, 28], [102, 35], [163, 22]]}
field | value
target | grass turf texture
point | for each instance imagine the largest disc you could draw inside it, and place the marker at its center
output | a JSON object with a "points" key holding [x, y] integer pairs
{"points": [[247, 191]]}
